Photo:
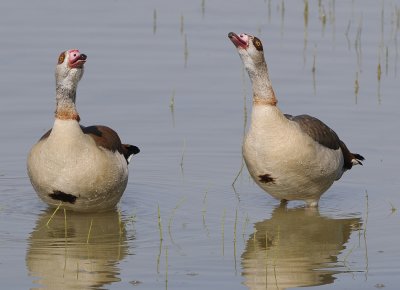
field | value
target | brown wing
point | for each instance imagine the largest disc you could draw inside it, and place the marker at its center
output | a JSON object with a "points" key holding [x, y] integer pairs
{"points": [[317, 130], [104, 137], [45, 135], [325, 136], [107, 138]]}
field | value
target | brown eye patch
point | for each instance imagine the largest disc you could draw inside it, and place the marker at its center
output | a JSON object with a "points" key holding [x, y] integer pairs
{"points": [[61, 58], [257, 43]]}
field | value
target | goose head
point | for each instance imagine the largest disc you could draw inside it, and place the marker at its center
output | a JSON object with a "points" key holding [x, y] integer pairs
{"points": [[69, 69], [250, 50]]}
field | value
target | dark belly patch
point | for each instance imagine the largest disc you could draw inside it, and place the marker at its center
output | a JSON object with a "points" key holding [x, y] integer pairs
{"points": [[62, 196], [266, 178]]}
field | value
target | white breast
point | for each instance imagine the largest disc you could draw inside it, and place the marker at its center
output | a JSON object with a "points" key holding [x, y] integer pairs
{"points": [[70, 162], [297, 166]]}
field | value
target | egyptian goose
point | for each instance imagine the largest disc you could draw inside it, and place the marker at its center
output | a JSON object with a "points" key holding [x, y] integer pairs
{"points": [[84, 168], [290, 157]]}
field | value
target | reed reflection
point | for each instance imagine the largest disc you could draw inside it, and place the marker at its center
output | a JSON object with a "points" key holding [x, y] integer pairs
{"points": [[295, 247], [77, 251]]}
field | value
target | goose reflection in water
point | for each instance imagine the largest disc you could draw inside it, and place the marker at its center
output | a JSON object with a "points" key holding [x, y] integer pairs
{"points": [[77, 251], [295, 247]]}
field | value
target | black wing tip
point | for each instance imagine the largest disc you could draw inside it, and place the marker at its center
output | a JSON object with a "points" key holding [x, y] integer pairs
{"points": [[130, 151], [357, 158], [133, 150]]}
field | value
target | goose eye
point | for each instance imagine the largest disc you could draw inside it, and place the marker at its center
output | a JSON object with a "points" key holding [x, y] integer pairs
{"points": [[257, 43], [61, 58]]}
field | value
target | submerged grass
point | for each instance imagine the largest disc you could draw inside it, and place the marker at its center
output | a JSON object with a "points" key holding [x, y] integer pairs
{"points": [[154, 21], [120, 224], [55, 211], [66, 242], [223, 232], [347, 34], [235, 226], [234, 238], [172, 217], [172, 101], [65, 225], [172, 106], [185, 50], [238, 174], [90, 230], [305, 14], [161, 238], [357, 44], [356, 88], [245, 116], [244, 227], [393, 208], [365, 233], [203, 213], [182, 27], [314, 69], [282, 14], [379, 71], [166, 267], [322, 16], [183, 153], [159, 222]]}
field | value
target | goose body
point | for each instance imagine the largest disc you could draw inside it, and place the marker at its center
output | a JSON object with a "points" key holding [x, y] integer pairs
{"points": [[290, 157], [84, 168]]}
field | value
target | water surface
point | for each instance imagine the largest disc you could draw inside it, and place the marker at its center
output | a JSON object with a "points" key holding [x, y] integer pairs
{"points": [[167, 78]]}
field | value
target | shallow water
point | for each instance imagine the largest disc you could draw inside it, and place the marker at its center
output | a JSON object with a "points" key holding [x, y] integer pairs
{"points": [[167, 78]]}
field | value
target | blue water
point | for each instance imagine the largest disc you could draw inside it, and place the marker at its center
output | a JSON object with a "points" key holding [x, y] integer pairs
{"points": [[180, 223]]}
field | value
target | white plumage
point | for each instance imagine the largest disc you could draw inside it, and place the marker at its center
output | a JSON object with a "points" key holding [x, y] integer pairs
{"points": [[84, 168], [290, 157]]}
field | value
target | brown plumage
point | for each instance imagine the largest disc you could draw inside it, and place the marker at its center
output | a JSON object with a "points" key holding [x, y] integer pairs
{"points": [[84, 168]]}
